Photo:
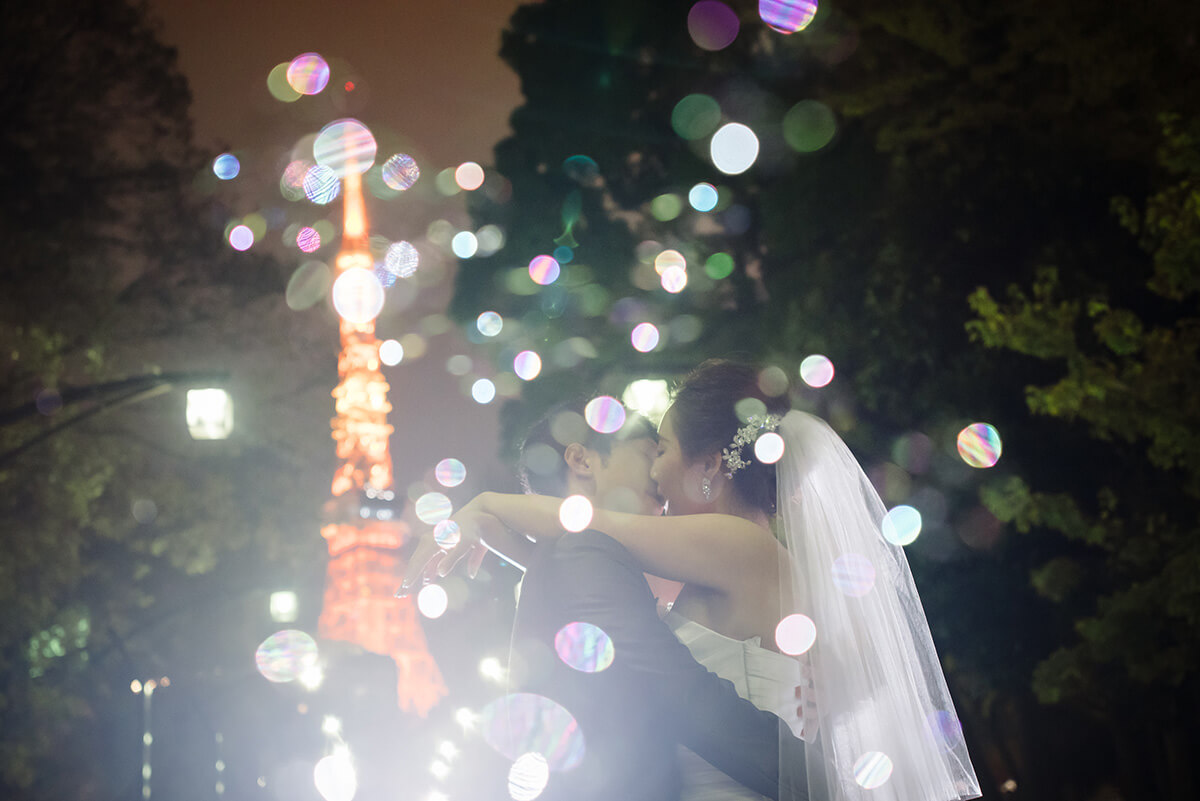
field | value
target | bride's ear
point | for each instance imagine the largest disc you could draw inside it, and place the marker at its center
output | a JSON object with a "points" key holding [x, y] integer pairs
{"points": [[710, 466], [578, 459]]}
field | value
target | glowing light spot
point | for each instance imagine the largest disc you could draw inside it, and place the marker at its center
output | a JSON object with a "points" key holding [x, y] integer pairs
{"points": [[696, 116], [469, 176], [278, 86], [321, 185], [432, 508], [644, 337], [901, 525], [391, 352], [489, 323], [308, 239], [575, 513], [358, 296], [308, 74], [816, 371], [450, 472], [544, 270], [979, 445], [604, 414], [464, 244], [401, 259], [773, 381], [853, 574], [527, 365], [809, 126], [768, 448], [666, 207], [285, 654], [307, 285], [447, 534], [718, 266], [584, 647], [226, 166], [345, 146], [712, 25], [668, 259], [432, 601], [522, 723], [872, 770], [491, 239], [674, 279], [241, 237], [795, 634], [401, 171], [335, 778], [703, 197], [483, 391], [734, 148], [787, 16], [291, 180], [527, 777], [582, 169]]}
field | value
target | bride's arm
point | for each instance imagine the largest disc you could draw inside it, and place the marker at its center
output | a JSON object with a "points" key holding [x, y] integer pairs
{"points": [[711, 550]]}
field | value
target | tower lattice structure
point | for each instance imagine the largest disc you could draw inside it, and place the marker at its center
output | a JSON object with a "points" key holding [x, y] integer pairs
{"points": [[361, 530]]}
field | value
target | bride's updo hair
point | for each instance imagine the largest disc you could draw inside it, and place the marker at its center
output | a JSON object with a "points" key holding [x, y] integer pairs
{"points": [[706, 414]]}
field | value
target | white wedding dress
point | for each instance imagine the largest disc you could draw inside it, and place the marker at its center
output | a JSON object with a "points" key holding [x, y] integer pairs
{"points": [[765, 678]]}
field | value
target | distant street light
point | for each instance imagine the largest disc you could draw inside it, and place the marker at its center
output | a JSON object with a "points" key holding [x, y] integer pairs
{"points": [[209, 413]]}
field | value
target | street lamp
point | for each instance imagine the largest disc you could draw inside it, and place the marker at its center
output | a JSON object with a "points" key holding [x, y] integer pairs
{"points": [[209, 413]]}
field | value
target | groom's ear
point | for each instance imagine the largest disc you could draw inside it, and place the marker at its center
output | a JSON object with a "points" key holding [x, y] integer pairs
{"points": [[579, 460]]}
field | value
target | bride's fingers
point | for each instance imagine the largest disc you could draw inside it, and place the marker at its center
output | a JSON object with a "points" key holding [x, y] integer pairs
{"points": [[421, 566], [475, 560]]}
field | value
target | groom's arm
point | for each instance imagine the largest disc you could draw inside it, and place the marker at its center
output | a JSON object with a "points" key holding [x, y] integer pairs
{"points": [[605, 587]]}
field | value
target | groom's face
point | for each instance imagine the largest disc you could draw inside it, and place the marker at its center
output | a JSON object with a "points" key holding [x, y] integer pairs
{"points": [[623, 481]]}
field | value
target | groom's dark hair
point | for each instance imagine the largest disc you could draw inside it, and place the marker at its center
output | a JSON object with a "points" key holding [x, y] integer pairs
{"points": [[542, 465]]}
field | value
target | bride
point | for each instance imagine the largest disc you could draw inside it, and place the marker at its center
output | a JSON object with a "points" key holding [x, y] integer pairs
{"points": [[788, 578]]}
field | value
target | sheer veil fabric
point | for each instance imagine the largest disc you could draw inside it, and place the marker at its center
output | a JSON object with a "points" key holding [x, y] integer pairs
{"points": [[888, 730]]}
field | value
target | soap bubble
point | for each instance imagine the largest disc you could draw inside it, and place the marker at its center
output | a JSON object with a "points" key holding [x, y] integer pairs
{"points": [[787, 16], [604, 414], [979, 445], [795, 634], [401, 259], [901, 525], [872, 770], [527, 365], [584, 646], [308, 74], [226, 166], [450, 472], [432, 508], [400, 172], [644, 337], [345, 146]]}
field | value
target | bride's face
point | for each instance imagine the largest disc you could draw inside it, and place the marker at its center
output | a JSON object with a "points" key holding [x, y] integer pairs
{"points": [[678, 481]]}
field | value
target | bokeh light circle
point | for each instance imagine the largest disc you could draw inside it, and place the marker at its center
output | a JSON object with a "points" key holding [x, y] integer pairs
{"points": [[307, 285], [853, 574], [520, 723], [241, 237], [734, 148], [464, 245], [400, 172], [703, 197], [432, 601], [816, 371], [489, 323], [696, 116], [308, 239], [872, 770], [901, 525], [787, 16], [345, 146], [286, 654], [321, 185], [432, 508], [468, 176], [401, 259], [809, 126], [718, 266], [308, 74], [604, 414], [768, 448], [979, 445], [226, 166], [358, 296], [712, 25], [447, 533], [527, 365], [528, 776], [544, 270], [674, 279], [335, 778], [795, 634], [644, 337], [667, 259], [483, 391], [575, 513], [450, 472], [584, 647], [391, 352]]}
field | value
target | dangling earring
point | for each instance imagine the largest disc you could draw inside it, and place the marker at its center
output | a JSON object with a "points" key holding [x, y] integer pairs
{"points": [[706, 488]]}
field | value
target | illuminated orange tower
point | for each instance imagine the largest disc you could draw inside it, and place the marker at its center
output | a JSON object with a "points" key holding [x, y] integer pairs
{"points": [[363, 533]]}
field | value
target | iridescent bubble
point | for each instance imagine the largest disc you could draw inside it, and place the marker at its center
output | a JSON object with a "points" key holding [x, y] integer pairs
{"points": [[787, 16], [945, 729], [696, 116], [321, 185], [226, 166], [345, 146], [391, 352], [433, 508], [768, 448], [464, 244], [543, 270], [809, 126], [469, 176], [450, 472], [308, 239], [979, 445], [447, 534], [358, 296], [432, 600], [308, 74], [285, 655], [703, 197], [853, 574], [241, 237], [667, 259], [901, 525], [674, 279], [581, 168], [401, 259], [718, 266], [527, 365], [712, 25], [734, 148], [489, 323], [584, 646], [278, 86], [528, 776], [872, 770], [521, 723], [604, 414], [816, 371], [575, 513], [644, 337], [400, 172], [307, 285], [666, 207], [795, 634], [483, 391]]}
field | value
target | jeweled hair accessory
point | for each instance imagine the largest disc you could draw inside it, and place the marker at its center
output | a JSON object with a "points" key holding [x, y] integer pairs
{"points": [[756, 424]]}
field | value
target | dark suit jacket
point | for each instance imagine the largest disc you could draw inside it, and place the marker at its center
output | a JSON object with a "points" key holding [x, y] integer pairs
{"points": [[653, 696]]}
